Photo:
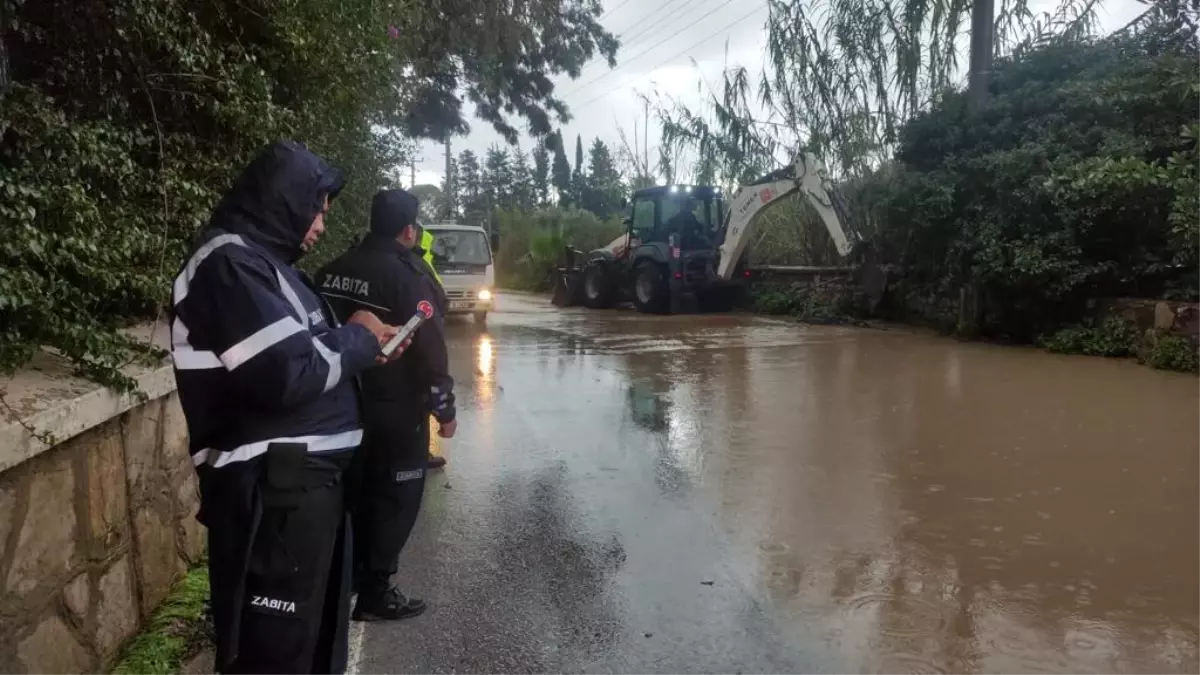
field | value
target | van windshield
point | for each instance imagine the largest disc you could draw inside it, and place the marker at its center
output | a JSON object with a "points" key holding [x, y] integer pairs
{"points": [[452, 247]]}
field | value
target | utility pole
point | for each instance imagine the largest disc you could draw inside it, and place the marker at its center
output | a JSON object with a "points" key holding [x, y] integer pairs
{"points": [[412, 176]]}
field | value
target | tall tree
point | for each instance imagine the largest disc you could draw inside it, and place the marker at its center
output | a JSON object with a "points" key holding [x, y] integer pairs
{"points": [[522, 182], [578, 176], [541, 175], [470, 193], [453, 50], [561, 170], [497, 179], [841, 78], [603, 189], [432, 202]]}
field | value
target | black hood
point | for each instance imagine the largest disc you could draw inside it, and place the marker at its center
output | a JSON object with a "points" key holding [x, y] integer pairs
{"points": [[275, 199], [392, 211]]}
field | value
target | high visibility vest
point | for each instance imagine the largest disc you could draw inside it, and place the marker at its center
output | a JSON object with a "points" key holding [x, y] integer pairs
{"points": [[426, 245]]}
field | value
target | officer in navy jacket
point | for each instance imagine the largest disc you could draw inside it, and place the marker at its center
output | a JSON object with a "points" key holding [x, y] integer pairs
{"points": [[266, 378], [383, 274]]}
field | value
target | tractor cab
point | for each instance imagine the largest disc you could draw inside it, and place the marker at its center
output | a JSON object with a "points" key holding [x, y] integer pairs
{"points": [[694, 213]]}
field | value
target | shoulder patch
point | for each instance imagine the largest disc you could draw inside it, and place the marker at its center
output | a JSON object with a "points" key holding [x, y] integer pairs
{"points": [[425, 309]]}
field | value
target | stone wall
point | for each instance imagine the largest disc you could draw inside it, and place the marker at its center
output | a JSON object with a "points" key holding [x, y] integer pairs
{"points": [[95, 528], [1155, 317]]}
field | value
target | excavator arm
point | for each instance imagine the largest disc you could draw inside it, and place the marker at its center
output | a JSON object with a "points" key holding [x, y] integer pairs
{"points": [[751, 201]]}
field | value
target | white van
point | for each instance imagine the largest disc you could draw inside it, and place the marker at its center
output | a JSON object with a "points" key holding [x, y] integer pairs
{"points": [[462, 255]]}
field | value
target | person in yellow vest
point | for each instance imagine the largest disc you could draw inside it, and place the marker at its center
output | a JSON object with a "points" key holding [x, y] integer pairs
{"points": [[424, 251]]}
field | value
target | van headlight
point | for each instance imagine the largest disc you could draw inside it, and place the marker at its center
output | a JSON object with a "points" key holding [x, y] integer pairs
{"points": [[485, 294]]}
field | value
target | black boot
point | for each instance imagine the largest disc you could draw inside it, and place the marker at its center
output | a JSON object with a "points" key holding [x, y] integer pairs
{"points": [[436, 462], [388, 606]]}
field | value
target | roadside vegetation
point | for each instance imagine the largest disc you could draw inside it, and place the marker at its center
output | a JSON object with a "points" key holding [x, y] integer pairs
{"points": [[176, 632], [1076, 180], [121, 123]]}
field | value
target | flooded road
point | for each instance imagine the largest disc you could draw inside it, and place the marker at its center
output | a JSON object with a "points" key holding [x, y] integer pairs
{"points": [[730, 494]]}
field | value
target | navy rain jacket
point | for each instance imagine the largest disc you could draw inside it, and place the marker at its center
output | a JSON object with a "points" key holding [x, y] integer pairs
{"points": [[258, 357]]}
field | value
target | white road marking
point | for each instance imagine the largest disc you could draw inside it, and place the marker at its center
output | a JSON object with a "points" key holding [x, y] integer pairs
{"points": [[357, 629]]}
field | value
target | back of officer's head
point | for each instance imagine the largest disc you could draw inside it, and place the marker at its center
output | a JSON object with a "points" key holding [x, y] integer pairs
{"points": [[394, 216]]}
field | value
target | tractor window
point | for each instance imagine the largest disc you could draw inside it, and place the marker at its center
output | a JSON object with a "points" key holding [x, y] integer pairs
{"points": [[706, 210], [643, 219]]}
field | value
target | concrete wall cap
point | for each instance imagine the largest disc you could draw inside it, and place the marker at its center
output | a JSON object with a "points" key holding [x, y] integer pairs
{"points": [[49, 398]]}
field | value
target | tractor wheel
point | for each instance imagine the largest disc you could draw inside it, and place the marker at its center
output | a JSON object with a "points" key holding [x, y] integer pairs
{"points": [[597, 287], [650, 292]]}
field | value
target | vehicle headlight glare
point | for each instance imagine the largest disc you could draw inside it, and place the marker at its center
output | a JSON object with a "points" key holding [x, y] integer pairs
{"points": [[485, 294]]}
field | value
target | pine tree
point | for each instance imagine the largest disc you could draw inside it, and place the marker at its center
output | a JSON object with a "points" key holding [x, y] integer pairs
{"points": [[470, 188], [561, 170], [603, 189], [579, 177], [497, 179], [522, 182]]}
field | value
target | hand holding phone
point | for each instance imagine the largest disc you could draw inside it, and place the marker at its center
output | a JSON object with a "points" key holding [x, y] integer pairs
{"points": [[405, 334]]}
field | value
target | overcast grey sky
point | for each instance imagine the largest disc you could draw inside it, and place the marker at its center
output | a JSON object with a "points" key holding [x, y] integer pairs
{"points": [[667, 48]]}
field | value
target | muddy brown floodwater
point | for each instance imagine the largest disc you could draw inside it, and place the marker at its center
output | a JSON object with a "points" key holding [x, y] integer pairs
{"points": [[725, 493]]}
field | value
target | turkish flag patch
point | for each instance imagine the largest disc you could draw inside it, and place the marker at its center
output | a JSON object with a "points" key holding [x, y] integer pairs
{"points": [[425, 309]]}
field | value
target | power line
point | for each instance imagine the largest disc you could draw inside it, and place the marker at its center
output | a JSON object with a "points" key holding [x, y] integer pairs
{"points": [[648, 28], [602, 16], [648, 50], [685, 51], [643, 21], [640, 27]]}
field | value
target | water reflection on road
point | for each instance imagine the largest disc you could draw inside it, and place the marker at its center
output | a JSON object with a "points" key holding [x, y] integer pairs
{"points": [[720, 493]]}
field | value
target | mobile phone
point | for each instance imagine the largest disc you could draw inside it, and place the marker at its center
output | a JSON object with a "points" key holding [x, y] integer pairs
{"points": [[424, 313]]}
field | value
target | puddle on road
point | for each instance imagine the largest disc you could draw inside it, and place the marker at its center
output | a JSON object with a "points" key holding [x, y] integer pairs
{"points": [[915, 504]]}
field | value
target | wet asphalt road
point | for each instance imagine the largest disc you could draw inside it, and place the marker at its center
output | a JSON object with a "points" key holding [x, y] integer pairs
{"points": [[729, 494]]}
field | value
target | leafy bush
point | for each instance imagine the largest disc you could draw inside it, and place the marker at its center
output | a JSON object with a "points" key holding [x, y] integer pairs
{"points": [[1078, 180], [1173, 352], [1115, 336], [532, 243], [811, 304]]}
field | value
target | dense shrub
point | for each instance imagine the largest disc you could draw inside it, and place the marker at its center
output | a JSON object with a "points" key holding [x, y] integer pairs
{"points": [[1115, 336], [532, 243], [1078, 180], [1173, 352]]}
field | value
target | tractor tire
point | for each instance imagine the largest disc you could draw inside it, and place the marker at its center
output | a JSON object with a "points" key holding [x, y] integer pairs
{"points": [[650, 292], [598, 290]]}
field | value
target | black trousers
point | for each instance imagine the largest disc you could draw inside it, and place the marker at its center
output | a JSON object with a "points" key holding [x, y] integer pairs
{"points": [[390, 473], [279, 563]]}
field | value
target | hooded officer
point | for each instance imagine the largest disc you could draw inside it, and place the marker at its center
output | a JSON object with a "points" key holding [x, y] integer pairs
{"points": [[384, 275], [266, 381]]}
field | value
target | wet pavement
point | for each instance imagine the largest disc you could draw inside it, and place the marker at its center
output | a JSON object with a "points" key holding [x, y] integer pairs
{"points": [[730, 494]]}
